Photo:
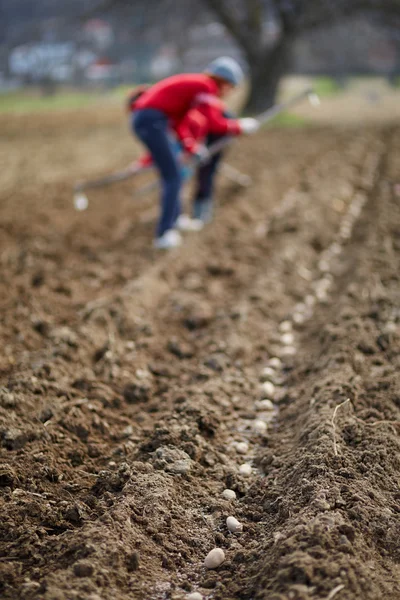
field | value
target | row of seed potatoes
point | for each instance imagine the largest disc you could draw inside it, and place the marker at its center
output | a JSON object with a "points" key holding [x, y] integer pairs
{"points": [[272, 376]]}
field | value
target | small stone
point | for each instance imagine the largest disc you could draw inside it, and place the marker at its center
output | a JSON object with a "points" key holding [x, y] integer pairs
{"points": [[229, 494], [242, 447], [194, 596], [245, 469], [285, 326], [179, 467], [268, 374], [321, 295], [275, 362], [278, 536], [7, 399], [128, 431], [287, 339], [268, 389], [142, 373], [299, 318], [300, 308], [172, 460], [259, 426], [264, 405], [390, 327], [214, 558], [234, 525], [309, 300]]}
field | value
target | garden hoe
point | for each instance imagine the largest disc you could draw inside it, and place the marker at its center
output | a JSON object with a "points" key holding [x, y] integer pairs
{"points": [[81, 201], [219, 145]]}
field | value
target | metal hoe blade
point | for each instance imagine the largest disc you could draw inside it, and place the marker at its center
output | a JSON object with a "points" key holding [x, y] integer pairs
{"points": [[81, 201]]}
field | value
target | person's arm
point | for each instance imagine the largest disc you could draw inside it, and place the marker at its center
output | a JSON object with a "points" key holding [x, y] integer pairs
{"points": [[192, 130], [212, 108], [186, 137]]}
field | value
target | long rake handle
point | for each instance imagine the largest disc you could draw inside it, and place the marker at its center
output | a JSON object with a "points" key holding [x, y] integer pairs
{"points": [[230, 172], [109, 179], [262, 118]]}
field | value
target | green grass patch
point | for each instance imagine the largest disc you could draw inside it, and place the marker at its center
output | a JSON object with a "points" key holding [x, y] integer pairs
{"points": [[325, 86], [122, 91], [288, 119], [26, 102]]}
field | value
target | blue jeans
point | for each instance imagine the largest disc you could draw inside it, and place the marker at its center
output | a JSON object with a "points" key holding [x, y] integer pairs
{"points": [[203, 198], [206, 173], [151, 127]]}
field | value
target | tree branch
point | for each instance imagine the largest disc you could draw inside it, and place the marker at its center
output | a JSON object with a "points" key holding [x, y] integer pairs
{"points": [[233, 24], [255, 17]]}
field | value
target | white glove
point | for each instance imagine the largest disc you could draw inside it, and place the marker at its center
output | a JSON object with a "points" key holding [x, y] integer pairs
{"points": [[202, 153], [249, 125]]}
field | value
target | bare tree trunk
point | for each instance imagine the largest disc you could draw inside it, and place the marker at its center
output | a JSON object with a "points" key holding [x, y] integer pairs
{"points": [[265, 75]]}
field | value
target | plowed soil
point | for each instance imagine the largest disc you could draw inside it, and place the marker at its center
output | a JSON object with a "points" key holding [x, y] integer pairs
{"points": [[134, 384]]}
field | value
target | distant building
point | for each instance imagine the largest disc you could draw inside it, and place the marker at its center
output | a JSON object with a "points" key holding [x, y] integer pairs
{"points": [[99, 33], [165, 63], [383, 56], [35, 62], [354, 46], [103, 70]]}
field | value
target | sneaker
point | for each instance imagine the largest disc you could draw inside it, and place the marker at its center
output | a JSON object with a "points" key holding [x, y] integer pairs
{"points": [[186, 223], [170, 239]]}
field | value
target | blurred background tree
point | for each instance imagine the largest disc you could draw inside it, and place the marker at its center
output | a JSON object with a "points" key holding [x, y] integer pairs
{"points": [[266, 31], [149, 39]]}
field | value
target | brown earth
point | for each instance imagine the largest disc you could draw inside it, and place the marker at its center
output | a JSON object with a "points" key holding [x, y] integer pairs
{"points": [[128, 377]]}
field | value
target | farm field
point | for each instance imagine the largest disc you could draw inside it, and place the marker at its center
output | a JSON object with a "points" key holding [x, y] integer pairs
{"points": [[135, 385]]}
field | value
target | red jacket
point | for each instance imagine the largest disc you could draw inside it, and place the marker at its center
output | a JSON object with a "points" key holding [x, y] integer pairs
{"points": [[176, 95]]}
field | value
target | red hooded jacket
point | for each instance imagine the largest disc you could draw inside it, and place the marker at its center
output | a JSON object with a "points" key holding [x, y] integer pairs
{"points": [[177, 95]]}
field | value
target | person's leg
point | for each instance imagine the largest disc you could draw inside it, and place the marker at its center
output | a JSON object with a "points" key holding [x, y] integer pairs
{"points": [[184, 222], [151, 127], [203, 204], [203, 200]]}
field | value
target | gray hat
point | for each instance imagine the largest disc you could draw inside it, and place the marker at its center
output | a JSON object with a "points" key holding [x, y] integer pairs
{"points": [[226, 68]]}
